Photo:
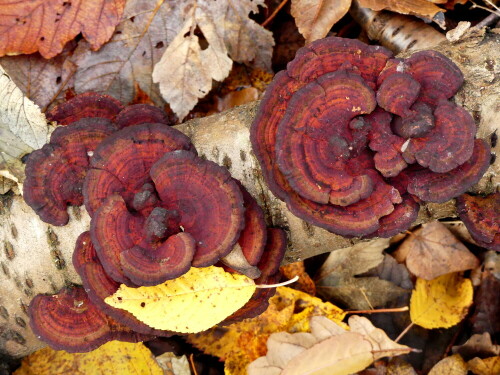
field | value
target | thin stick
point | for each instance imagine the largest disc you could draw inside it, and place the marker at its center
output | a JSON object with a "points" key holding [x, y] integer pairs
{"points": [[490, 20], [404, 332], [191, 362], [376, 311], [273, 14]]}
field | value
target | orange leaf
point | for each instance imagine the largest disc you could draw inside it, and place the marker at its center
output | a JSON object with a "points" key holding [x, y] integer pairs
{"points": [[29, 26]]}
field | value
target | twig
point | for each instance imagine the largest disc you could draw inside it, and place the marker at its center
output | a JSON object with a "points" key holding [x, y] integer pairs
{"points": [[191, 362], [273, 14], [496, 11], [376, 311], [490, 20], [405, 331]]}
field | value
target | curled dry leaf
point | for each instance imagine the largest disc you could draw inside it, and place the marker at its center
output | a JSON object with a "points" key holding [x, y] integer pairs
{"points": [[433, 250], [45, 26], [478, 345], [315, 18], [328, 349], [191, 303], [442, 302], [23, 127]]}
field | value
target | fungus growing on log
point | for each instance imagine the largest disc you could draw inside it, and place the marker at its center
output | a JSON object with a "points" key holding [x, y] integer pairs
{"points": [[85, 105], [156, 210], [481, 216], [55, 173], [347, 163], [70, 321]]}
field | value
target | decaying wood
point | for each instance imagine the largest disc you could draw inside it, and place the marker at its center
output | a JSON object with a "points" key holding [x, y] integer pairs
{"points": [[36, 257]]}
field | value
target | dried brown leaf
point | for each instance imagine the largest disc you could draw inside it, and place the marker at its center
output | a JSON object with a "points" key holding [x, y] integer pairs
{"points": [[486, 366], [433, 250], [29, 26], [478, 345], [421, 8], [315, 18], [330, 349]]}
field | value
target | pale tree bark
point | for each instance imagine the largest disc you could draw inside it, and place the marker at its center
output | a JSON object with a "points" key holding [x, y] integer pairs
{"points": [[36, 257]]}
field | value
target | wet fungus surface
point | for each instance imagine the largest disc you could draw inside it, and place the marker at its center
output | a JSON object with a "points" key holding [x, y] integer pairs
{"points": [[157, 209], [353, 139]]}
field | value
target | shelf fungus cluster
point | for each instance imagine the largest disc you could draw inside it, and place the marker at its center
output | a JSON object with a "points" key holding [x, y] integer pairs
{"points": [[353, 139], [156, 210]]}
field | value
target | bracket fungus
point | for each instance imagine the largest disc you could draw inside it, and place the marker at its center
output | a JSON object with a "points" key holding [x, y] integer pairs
{"points": [[157, 209], [353, 139], [481, 216]]}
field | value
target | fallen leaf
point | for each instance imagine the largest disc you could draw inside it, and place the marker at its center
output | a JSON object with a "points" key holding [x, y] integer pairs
{"points": [[23, 127], [114, 357], [399, 367], [485, 366], [362, 293], [42, 81], [236, 98], [240, 343], [433, 250], [353, 260], [328, 349], [304, 283], [173, 365], [478, 345], [487, 311], [421, 8], [336, 281], [314, 18], [191, 303], [450, 365], [185, 71], [144, 35], [442, 302], [45, 26]]}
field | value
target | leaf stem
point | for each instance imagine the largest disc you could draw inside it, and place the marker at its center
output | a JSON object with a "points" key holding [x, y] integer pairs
{"points": [[291, 281], [376, 311]]}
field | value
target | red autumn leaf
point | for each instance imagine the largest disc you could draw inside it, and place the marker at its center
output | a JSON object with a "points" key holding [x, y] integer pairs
{"points": [[29, 26]]}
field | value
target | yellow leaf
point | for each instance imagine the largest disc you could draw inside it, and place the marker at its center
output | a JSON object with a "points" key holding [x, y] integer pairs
{"points": [[485, 366], [191, 303], [441, 302], [450, 365], [114, 357], [243, 342]]}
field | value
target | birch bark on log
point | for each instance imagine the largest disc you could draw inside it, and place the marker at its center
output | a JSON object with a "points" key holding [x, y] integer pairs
{"points": [[36, 257]]}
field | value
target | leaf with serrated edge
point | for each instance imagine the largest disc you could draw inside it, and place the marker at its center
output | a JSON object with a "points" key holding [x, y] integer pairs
{"points": [[191, 303], [442, 302]]}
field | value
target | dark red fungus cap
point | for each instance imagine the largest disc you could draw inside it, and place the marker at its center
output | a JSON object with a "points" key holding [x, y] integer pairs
{"points": [[340, 160], [314, 139], [481, 216], [397, 93], [449, 144], [416, 123], [99, 286], [141, 114], [438, 76], [147, 264], [388, 157], [85, 105], [441, 187], [269, 266], [122, 162], [208, 200], [55, 173], [253, 237], [70, 321]]}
